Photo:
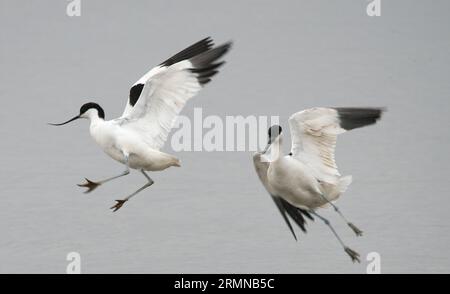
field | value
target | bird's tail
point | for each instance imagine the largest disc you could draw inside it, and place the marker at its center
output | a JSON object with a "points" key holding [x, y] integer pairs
{"points": [[333, 191], [343, 184], [176, 162]]}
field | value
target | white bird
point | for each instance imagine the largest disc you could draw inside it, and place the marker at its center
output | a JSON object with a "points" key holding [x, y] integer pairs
{"points": [[155, 100], [308, 178]]}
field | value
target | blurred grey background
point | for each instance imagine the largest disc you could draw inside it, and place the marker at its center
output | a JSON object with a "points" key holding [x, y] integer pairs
{"points": [[212, 215]]}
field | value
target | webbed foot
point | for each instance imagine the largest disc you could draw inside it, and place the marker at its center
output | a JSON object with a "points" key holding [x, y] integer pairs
{"points": [[357, 231], [90, 185], [353, 254], [118, 205]]}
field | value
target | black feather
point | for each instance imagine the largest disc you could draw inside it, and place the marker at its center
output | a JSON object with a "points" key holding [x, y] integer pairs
{"points": [[279, 203], [191, 51], [202, 57], [296, 214], [306, 213], [352, 118], [204, 64], [135, 92]]}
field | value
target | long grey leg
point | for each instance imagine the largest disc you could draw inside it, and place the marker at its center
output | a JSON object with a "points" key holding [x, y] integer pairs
{"points": [[121, 202], [91, 185], [353, 254], [357, 231]]}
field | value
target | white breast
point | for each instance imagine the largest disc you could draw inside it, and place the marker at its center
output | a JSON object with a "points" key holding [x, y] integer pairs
{"points": [[293, 181], [116, 140], [105, 134]]}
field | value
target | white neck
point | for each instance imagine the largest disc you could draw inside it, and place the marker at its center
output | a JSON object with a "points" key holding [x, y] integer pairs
{"points": [[92, 115], [95, 120], [275, 151]]}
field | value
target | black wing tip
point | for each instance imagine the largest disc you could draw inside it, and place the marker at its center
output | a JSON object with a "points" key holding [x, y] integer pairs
{"points": [[297, 215], [205, 65], [195, 49], [306, 213], [357, 117], [278, 202]]}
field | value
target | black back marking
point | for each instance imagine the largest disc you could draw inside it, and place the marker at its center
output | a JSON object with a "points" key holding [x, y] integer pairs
{"points": [[135, 92]]}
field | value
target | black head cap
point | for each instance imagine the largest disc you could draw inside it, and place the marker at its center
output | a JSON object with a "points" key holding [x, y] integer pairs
{"points": [[274, 131], [90, 105]]}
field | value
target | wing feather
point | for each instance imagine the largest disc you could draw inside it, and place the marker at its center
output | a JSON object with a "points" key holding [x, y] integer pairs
{"points": [[314, 134], [166, 90], [190, 52]]}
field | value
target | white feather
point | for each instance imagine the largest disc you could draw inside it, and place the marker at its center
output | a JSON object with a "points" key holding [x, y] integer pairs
{"points": [[165, 93], [142, 80], [314, 132]]}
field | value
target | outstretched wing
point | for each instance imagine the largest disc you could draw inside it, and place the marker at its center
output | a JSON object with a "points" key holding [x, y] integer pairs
{"points": [[160, 95], [283, 206], [314, 132]]}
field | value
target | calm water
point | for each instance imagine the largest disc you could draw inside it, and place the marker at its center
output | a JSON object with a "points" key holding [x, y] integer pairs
{"points": [[212, 215]]}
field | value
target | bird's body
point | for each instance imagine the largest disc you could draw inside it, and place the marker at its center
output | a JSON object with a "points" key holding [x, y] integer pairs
{"points": [[308, 177], [115, 139], [135, 139], [295, 181]]}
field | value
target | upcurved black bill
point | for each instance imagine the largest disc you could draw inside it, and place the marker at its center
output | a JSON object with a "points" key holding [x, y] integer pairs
{"points": [[72, 119]]}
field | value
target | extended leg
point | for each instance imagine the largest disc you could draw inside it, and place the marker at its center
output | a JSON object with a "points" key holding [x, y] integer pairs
{"points": [[91, 185], [121, 202], [353, 254], [357, 231]]}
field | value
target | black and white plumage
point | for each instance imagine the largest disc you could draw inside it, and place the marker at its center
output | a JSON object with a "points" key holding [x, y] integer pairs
{"points": [[158, 97], [308, 178], [285, 208], [154, 102]]}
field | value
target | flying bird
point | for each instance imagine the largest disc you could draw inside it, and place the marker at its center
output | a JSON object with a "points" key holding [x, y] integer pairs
{"points": [[135, 139], [308, 178]]}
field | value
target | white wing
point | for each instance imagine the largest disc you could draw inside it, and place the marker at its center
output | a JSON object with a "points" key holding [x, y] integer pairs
{"points": [[136, 89], [160, 95], [314, 133]]}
